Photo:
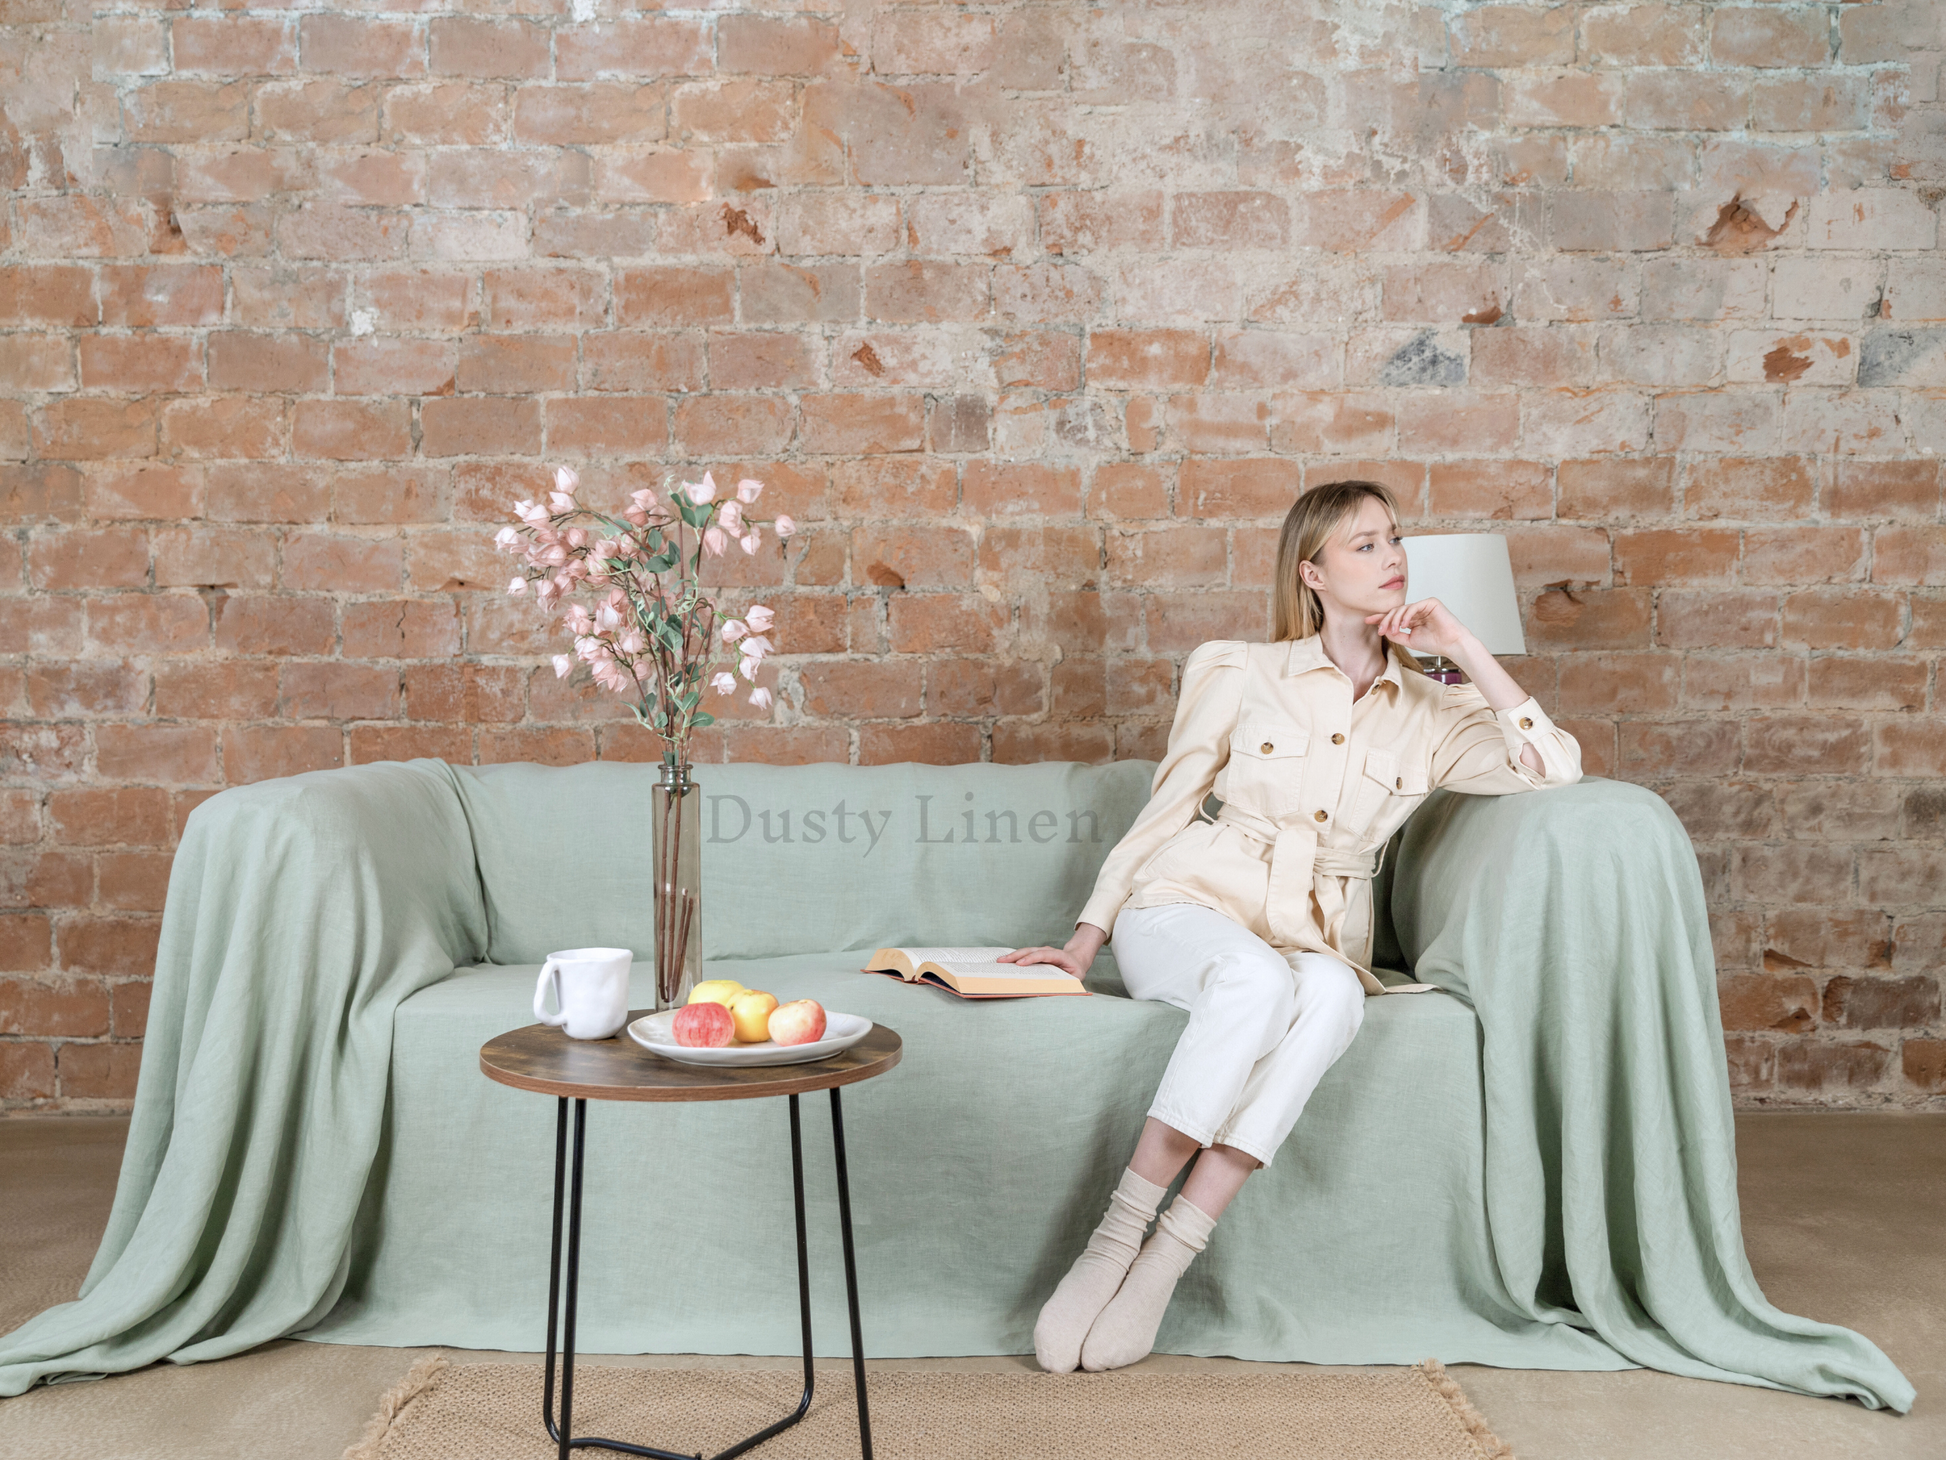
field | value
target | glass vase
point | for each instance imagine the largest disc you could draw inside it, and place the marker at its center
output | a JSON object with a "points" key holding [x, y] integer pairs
{"points": [[676, 845]]}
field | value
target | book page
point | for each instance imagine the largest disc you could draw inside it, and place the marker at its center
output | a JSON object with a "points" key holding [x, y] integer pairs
{"points": [[982, 956], [1002, 970]]}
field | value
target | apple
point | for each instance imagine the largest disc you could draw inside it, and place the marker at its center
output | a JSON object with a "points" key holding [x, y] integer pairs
{"points": [[751, 1010], [714, 991], [801, 1021], [703, 1026]]}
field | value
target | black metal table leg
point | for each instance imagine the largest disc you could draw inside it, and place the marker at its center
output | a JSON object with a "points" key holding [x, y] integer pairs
{"points": [[851, 1272], [560, 1430], [554, 1259]]}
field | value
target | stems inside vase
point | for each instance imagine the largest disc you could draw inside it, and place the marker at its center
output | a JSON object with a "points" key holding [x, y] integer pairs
{"points": [[676, 903]]}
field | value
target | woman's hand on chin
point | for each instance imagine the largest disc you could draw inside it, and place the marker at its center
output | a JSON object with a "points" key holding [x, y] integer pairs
{"points": [[1425, 627]]}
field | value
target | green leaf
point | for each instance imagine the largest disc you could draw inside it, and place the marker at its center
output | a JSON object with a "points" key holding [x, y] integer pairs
{"points": [[703, 717]]}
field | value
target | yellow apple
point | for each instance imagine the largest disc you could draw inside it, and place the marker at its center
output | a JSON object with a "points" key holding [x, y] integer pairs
{"points": [[715, 991], [751, 1010]]}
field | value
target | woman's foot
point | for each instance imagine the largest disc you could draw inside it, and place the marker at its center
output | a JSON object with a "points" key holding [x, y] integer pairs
{"points": [[1089, 1285], [1126, 1329]]}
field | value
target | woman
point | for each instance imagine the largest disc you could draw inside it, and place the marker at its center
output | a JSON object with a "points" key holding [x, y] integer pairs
{"points": [[1259, 921]]}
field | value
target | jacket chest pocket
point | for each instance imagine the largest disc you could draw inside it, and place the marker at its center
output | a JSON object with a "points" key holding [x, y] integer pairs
{"points": [[1266, 769], [1389, 789]]}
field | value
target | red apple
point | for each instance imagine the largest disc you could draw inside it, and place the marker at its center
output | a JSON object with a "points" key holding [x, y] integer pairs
{"points": [[801, 1021], [705, 1026]]}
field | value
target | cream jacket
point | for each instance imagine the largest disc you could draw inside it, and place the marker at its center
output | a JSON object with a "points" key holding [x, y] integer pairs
{"points": [[1312, 786]]}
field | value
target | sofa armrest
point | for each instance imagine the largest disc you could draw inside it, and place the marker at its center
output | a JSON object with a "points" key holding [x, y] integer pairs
{"points": [[1573, 921], [300, 912]]}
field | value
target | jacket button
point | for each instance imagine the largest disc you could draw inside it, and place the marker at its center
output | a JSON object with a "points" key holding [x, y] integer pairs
{"points": [[1337, 740], [1399, 784], [1525, 723], [1266, 747], [1324, 816]]}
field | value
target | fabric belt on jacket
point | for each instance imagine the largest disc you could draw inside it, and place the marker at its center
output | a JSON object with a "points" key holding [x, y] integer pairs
{"points": [[1301, 869]]}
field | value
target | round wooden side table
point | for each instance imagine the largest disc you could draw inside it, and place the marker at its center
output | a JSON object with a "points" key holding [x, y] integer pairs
{"points": [[543, 1059]]}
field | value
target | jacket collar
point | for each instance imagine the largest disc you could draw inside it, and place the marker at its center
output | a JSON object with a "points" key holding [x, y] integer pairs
{"points": [[1308, 654]]}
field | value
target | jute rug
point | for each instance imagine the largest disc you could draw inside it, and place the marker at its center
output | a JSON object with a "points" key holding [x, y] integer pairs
{"points": [[443, 1411]]}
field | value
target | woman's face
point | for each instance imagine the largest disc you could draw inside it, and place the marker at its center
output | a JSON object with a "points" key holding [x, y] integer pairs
{"points": [[1362, 568]]}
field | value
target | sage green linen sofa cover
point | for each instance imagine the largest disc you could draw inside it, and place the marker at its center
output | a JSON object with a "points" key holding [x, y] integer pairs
{"points": [[1531, 1168]]}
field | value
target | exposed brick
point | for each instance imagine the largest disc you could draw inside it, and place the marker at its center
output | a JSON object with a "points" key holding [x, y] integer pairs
{"points": [[1766, 1001], [633, 46], [613, 425], [590, 113], [233, 45], [481, 426], [352, 45], [334, 430], [123, 816], [26, 1071], [853, 424], [515, 364], [1260, 488], [1820, 1066], [93, 430], [926, 292], [1924, 1063], [673, 296], [144, 364], [652, 360], [1873, 490], [87, 688], [98, 1071], [187, 111], [141, 623], [410, 742], [74, 1008], [267, 362], [224, 428], [115, 557], [470, 46], [404, 628], [260, 624], [1037, 380], [1143, 359]]}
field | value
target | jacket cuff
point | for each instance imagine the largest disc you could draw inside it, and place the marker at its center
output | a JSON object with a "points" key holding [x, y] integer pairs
{"points": [[1101, 910], [1528, 724]]}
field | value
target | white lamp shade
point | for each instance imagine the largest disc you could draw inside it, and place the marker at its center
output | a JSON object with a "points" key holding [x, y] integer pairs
{"points": [[1472, 574]]}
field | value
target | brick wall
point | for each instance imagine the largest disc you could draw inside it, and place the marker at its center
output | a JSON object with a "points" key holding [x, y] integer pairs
{"points": [[1036, 315]]}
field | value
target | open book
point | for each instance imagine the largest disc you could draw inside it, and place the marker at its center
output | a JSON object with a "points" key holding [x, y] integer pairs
{"points": [[973, 973]]}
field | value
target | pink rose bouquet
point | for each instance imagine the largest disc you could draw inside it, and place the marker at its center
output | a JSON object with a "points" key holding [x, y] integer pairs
{"points": [[629, 589]]}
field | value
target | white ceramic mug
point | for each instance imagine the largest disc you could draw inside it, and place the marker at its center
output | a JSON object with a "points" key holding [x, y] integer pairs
{"points": [[591, 987]]}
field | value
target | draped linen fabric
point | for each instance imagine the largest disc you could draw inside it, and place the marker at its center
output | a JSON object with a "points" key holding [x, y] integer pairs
{"points": [[1532, 1169]]}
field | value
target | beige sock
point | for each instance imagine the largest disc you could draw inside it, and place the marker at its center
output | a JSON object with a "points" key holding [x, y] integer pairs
{"points": [[1126, 1329], [1096, 1273]]}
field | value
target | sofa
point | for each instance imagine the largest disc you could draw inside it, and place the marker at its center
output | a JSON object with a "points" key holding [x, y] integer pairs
{"points": [[1531, 1167]]}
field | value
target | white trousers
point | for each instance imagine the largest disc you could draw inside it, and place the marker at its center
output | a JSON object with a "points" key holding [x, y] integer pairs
{"points": [[1263, 1028]]}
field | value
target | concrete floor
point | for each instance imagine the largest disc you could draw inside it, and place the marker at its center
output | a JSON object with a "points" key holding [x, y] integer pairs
{"points": [[1843, 1219]]}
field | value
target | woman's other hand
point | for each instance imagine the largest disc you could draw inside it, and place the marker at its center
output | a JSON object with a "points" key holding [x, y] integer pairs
{"points": [[1076, 958]]}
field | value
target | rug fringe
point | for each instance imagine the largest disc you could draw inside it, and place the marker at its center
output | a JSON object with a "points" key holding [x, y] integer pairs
{"points": [[1491, 1446], [418, 1379]]}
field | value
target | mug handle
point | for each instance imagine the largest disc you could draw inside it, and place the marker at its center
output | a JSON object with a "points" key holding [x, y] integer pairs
{"points": [[550, 971]]}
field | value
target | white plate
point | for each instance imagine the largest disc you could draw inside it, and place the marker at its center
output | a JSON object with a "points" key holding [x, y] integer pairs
{"points": [[841, 1031]]}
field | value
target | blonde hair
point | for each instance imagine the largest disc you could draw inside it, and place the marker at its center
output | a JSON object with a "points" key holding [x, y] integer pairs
{"points": [[1314, 519]]}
